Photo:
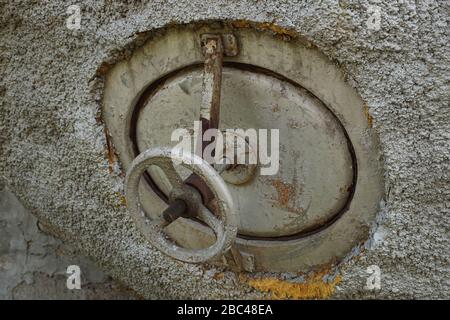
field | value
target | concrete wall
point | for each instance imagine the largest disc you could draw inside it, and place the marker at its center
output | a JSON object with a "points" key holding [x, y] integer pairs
{"points": [[52, 146], [33, 264]]}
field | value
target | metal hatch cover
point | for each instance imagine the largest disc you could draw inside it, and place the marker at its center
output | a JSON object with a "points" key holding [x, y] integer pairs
{"points": [[315, 173], [329, 184]]}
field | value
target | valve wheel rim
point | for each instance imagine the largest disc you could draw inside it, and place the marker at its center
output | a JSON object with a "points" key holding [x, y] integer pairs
{"points": [[225, 229]]}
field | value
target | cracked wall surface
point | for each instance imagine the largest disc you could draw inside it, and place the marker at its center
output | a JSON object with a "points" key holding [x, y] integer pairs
{"points": [[52, 148], [33, 264]]}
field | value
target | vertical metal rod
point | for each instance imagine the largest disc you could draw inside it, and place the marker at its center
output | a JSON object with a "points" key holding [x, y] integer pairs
{"points": [[212, 83], [209, 118], [213, 52]]}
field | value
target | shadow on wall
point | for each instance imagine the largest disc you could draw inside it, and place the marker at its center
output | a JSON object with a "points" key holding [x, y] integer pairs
{"points": [[33, 264]]}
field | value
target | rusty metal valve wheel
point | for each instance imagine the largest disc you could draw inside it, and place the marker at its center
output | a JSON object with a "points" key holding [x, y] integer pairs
{"points": [[225, 228]]}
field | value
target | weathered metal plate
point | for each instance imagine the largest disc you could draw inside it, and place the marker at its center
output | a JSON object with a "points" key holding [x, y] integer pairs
{"points": [[315, 173]]}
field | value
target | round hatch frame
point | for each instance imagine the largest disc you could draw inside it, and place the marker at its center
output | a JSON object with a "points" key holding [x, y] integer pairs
{"points": [[178, 48]]}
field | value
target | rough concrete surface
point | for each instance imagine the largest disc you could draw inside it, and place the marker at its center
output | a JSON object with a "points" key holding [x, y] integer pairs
{"points": [[53, 150]]}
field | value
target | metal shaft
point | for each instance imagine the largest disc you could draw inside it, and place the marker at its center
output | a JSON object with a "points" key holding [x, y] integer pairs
{"points": [[212, 83], [178, 207], [209, 118]]}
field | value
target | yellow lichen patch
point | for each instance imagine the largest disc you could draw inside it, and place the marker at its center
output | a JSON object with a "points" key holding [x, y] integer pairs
{"points": [[284, 191], [313, 288], [122, 199]]}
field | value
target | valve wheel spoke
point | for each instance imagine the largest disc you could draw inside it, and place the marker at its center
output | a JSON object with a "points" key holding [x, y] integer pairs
{"points": [[224, 228]]}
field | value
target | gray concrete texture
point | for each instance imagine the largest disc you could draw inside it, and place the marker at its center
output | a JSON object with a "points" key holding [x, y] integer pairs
{"points": [[52, 146]]}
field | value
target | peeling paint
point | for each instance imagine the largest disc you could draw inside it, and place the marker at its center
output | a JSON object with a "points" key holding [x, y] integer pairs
{"points": [[368, 116]]}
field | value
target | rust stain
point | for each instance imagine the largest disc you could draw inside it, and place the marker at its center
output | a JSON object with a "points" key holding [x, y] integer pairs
{"points": [[314, 287], [103, 69], [286, 193], [284, 33], [276, 108], [368, 116], [98, 117], [109, 151], [218, 276], [241, 24]]}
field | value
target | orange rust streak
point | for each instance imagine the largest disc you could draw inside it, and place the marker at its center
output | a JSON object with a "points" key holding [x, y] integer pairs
{"points": [[277, 29], [368, 116], [284, 192], [283, 32], [109, 152]]}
